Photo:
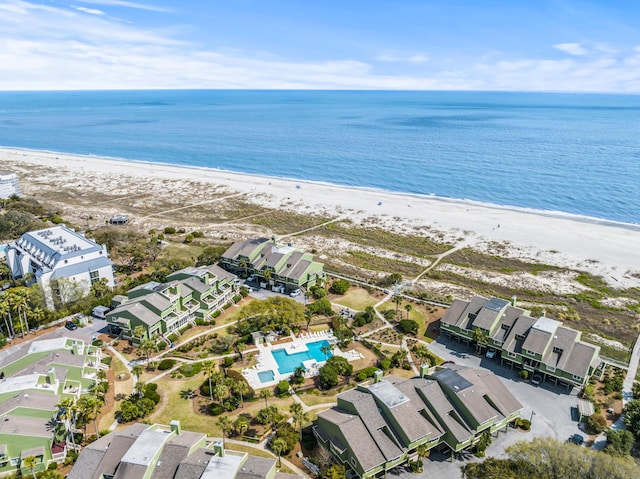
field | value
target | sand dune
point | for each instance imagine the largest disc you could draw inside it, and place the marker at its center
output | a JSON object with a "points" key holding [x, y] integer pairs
{"points": [[609, 249]]}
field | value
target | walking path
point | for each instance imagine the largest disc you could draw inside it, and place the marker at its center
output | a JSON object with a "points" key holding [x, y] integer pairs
{"points": [[439, 258], [627, 394], [311, 228]]}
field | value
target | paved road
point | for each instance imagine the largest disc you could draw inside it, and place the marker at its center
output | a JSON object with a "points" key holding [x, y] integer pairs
{"points": [[552, 410]]}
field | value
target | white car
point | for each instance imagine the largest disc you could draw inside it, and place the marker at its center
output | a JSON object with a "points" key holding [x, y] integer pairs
{"points": [[491, 353], [295, 292], [251, 278]]}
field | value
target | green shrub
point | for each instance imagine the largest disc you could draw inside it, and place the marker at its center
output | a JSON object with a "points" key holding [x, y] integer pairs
{"points": [[524, 374], [525, 424], [215, 409], [283, 387], [166, 364], [366, 373], [595, 424], [408, 326], [169, 230], [106, 360], [340, 286]]}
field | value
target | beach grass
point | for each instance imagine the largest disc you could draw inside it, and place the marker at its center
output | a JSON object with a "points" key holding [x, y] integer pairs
{"points": [[410, 244], [286, 222], [374, 262], [355, 298]]}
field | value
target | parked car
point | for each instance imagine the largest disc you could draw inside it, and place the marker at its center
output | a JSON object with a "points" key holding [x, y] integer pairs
{"points": [[577, 439], [295, 292], [536, 379], [491, 353], [70, 325], [251, 278]]}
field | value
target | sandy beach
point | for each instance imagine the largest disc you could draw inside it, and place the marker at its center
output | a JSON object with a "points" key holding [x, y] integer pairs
{"points": [[602, 248]]}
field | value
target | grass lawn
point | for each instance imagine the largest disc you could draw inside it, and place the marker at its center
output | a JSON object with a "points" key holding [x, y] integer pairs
{"points": [[355, 298], [188, 252], [173, 406], [313, 397], [256, 451]]}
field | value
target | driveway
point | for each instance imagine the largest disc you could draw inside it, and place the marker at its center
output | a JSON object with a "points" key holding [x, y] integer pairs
{"points": [[551, 410]]}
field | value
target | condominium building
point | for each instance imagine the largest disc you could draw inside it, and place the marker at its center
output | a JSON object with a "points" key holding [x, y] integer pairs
{"points": [[8, 184], [539, 345], [277, 266], [63, 262]]}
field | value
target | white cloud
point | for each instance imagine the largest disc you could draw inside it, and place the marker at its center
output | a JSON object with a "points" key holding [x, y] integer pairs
{"points": [[571, 48], [123, 3], [415, 58], [48, 48], [91, 11]]}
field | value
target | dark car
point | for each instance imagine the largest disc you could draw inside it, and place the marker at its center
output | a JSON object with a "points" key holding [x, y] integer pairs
{"points": [[577, 439], [70, 325]]}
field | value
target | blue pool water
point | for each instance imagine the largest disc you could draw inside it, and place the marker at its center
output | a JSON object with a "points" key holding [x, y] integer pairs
{"points": [[266, 376], [287, 363]]}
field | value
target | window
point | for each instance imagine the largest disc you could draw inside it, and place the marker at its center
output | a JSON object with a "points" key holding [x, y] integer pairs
{"points": [[15, 461], [557, 350], [94, 276], [577, 378], [551, 368], [519, 337], [353, 461], [511, 355]]}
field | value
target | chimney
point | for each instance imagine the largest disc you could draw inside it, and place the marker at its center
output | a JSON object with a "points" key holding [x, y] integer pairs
{"points": [[218, 448], [175, 426], [513, 301], [424, 369], [377, 375]]}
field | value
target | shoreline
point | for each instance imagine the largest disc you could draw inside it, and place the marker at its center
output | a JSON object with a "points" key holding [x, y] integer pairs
{"points": [[600, 247], [409, 195]]}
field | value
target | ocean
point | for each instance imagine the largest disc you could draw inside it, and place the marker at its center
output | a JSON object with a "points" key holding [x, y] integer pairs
{"points": [[572, 153]]}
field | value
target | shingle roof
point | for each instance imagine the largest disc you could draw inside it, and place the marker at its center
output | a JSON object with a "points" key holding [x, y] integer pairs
{"points": [[537, 341], [453, 315], [580, 359], [520, 328], [362, 444]]}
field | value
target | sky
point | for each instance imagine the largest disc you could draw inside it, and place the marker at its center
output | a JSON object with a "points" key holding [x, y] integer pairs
{"points": [[503, 45]]}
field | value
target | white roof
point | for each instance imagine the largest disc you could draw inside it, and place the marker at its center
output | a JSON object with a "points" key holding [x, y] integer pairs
{"points": [[18, 383], [47, 345], [547, 325], [146, 447], [225, 467]]}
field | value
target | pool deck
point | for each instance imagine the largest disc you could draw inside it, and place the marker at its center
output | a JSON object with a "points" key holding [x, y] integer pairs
{"points": [[266, 361]]}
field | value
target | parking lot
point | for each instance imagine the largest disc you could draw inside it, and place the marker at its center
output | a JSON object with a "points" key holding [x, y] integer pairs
{"points": [[551, 409]]}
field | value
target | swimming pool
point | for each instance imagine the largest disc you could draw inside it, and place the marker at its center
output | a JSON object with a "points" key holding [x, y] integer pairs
{"points": [[266, 376], [287, 363]]}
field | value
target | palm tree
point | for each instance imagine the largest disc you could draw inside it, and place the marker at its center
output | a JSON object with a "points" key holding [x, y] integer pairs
{"points": [[220, 391], [137, 371], [481, 338], [299, 416], [241, 425], [224, 423], [265, 394], [408, 308], [277, 446], [208, 368], [66, 412], [187, 394], [5, 311], [30, 463], [242, 262], [326, 349], [267, 275], [398, 300], [240, 347], [89, 408], [423, 451], [241, 388], [139, 388], [20, 303]]}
